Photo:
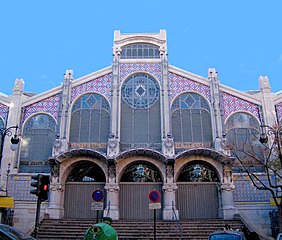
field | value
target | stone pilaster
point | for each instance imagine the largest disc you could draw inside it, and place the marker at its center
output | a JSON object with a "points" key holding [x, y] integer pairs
{"points": [[227, 189], [268, 106], [169, 210], [112, 206], [61, 144], [56, 207], [14, 119]]}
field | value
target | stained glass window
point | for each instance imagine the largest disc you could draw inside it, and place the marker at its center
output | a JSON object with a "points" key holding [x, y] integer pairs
{"points": [[140, 113], [134, 51], [90, 121], [2, 125], [37, 142], [242, 132], [85, 171], [197, 171], [141, 172], [191, 120], [140, 91]]}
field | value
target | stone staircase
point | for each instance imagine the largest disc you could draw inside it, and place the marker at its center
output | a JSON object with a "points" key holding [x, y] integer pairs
{"points": [[51, 229]]}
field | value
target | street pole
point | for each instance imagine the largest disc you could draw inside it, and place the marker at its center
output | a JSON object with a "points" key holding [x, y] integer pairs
{"points": [[155, 235], [37, 218]]}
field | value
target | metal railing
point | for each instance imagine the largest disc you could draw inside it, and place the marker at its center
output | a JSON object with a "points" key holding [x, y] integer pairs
{"points": [[108, 208], [177, 220]]}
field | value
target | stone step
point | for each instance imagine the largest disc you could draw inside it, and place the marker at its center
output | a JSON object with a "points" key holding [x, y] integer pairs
{"points": [[75, 228]]}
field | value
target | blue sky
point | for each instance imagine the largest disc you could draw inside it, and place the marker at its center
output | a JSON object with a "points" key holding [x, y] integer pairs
{"points": [[39, 40]]}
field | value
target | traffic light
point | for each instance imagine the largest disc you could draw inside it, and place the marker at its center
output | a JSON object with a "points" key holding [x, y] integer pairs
{"points": [[44, 182], [41, 185], [35, 184]]}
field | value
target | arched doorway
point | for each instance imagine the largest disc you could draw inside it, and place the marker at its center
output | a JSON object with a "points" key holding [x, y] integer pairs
{"points": [[83, 180], [197, 194], [138, 179]]}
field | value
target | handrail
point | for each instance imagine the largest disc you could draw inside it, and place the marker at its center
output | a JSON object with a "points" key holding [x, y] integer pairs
{"points": [[108, 208], [177, 220], [251, 227]]}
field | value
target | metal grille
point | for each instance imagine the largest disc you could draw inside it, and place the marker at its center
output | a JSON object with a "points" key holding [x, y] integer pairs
{"points": [[133, 51], [134, 202], [191, 125], [197, 200], [78, 199], [90, 120], [140, 126], [37, 143]]}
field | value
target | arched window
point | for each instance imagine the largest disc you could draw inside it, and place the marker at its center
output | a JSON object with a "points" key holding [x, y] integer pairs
{"points": [[141, 172], [197, 171], [37, 142], [86, 171], [90, 120], [2, 125], [140, 112], [243, 132], [134, 51], [191, 121]]}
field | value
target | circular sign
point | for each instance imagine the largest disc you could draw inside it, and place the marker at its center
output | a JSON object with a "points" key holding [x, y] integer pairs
{"points": [[154, 196], [98, 195]]}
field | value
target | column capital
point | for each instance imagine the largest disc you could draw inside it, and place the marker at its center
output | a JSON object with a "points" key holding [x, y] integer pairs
{"points": [[112, 187], [169, 187]]}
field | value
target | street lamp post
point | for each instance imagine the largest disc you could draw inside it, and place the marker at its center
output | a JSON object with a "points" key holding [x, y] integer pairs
{"points": [[14, 140]]}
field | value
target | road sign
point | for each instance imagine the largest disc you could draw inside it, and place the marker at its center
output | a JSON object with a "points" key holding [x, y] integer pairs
{"points": [[98, 195], [154, 196], [155, 205], [97, 206]]}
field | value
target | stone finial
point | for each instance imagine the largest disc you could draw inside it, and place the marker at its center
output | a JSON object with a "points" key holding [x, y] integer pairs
{"points": [[264, 84], [212, 73], [19, 85], [69, 75]]}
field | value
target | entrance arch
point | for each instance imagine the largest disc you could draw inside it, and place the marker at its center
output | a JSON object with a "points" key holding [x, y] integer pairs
{"points": [[83, 180], [197, 194], [137, 180]]}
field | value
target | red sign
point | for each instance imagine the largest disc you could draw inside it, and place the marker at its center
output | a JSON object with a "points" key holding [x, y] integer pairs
{"points": [[154, 196]]}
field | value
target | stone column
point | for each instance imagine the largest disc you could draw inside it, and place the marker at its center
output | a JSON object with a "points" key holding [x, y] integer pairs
{"points": [[14, 118], [169, 210], [55, 209], [112, 188], [227, 188], [269, 114], [112, 206]]}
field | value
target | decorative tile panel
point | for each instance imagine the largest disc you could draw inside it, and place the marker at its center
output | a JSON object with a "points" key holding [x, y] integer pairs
{"points": [[245, 191], [232, 104], [48, 105], [18, 188], [179, 84], [100, 85], [279, 110], [4, 110], [129, 68]]}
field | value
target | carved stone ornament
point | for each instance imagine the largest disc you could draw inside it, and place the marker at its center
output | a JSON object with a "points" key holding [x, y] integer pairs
{"points": [[112, 187], [58, 143], [169, 171], [168, 143], [169, 187], [112, 143]]}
